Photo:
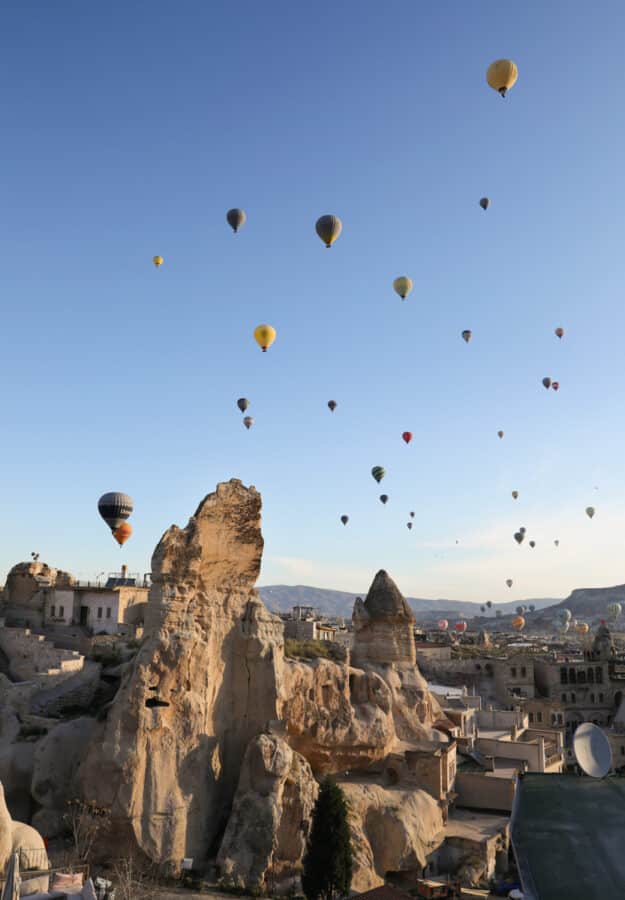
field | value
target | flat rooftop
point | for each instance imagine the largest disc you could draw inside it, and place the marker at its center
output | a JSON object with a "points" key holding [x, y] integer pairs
{"points": [[567, 832]]}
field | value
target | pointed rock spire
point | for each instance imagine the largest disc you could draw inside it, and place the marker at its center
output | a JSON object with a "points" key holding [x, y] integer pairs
{"points": [[385, 600]]}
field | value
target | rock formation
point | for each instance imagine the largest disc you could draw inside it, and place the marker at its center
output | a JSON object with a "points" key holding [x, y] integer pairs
{"points": [[383, 626], [16, 836], [26, 580], [211, 742]]}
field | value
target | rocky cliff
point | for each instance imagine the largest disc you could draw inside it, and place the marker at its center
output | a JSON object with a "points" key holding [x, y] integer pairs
{"points": [[212, 740]]}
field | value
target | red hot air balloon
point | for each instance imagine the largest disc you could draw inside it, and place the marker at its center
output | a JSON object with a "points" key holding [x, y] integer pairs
{"points": [[407, 436], [555, 385], [559, 333], [460, 627]]}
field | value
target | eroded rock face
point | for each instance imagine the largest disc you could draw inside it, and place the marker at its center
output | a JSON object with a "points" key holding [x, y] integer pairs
{"points": [[16, 836], [26, 579], [383, 626], [205, 681], [267, 831], [392, 831]]}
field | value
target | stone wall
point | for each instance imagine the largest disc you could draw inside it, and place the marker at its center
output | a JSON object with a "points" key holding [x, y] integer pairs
{"points": [[477, 790], [31, 655]]}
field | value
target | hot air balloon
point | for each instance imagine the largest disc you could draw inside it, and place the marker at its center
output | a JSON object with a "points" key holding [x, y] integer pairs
{"points": [[502, 75], [532, 544], [518, 623], [482, 609], [532, 607], [522, 529], [519, 536], [158, 261], [409, 526], [443, 624], [614, 610], [328, 228], [402, 286], [467, 335], [564, 615], [557, 542], [412, 515], [489, 604], [384, 498], [114, 508], [555, 385], [378, 473], [460, 627], [582, 628], [331, 405], [264, 335], [520, 610], [484, 202], [243, 403], [248, 421], [122, 533], [407, 436], [590, 511], [344, 519], [500, 434], [547, 383], [515, 495], [235, 218], [559, 332], [509, 582]]}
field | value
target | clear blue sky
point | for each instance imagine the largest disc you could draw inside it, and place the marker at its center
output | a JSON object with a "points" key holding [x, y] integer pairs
{"points": [[128, 130]]}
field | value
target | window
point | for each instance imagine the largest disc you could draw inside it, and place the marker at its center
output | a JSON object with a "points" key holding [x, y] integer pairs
{"points": [[513, 671], [599, 675], [560, 719], [581, 677], [564, 676], [539, 716], [572, 698], [622, 751], [564, 698], [523, 672], [600, 698], [108, 612], [553, 718], [62, 612], [591, 676], [592, 698], [99, 612], [52, 611], [531, 718], [572, 678]]}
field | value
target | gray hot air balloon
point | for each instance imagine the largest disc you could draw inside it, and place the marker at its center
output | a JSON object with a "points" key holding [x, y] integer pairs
{"points": [[509, 582], [590, 511], [532, 544], [331, 405], [547, 383], [236, 218], [328, 228], [518, 537], [243, 403], [384, 498], [489, 604], [484, 202], [248, 421], [344, 519], [467, 335], [412, 515], [409, 526], [114, 508]]}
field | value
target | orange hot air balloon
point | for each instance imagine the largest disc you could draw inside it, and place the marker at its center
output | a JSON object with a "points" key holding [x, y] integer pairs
{"points": [[407, 436], [582, 628], [518, 623], [122, 533]]}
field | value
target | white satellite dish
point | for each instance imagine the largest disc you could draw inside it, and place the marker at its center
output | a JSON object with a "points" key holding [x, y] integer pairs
{"points": [[592, 750]]}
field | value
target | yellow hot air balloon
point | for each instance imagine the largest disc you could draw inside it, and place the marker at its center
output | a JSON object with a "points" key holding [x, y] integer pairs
{"points": [[402, 286], [264, 335], [502, 75], [158, 261], [328, 228], [582, 628]]}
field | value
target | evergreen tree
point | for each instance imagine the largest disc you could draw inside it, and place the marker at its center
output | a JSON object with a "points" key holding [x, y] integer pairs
{"points": [[328, 860]]}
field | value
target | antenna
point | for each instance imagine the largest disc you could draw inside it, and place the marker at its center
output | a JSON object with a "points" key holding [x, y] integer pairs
{"points": [[592, 750]]}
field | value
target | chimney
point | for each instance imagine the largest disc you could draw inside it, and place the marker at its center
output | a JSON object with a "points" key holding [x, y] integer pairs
{"points": [[124, 571]]}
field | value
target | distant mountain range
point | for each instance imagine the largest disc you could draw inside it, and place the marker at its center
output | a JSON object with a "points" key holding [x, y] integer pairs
{"points": [[283, 597]]}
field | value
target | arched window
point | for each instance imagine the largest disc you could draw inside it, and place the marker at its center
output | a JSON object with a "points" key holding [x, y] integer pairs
{"points": [[581, 677], [592, 698], [598, 674], [564, 698], [600, 698], [572, 698], [591, 676]]}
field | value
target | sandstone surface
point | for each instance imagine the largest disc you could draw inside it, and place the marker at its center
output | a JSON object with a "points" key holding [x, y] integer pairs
{"points": [[383, 626], [22, 838]]}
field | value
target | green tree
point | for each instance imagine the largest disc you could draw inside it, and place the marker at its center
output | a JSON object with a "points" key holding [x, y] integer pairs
{"points": [[328, 860]]}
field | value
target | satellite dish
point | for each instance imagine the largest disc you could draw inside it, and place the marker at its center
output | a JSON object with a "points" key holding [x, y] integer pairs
{"points": [[592, 750]]}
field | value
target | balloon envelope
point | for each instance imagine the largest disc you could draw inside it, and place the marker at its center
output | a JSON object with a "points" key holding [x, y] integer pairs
{"points": [[264, 336], [384, 498], [590, 511], [518, 623], [115, 508], [407, 436], [615, 609], [559, 332], [158, 261], [467, 335], [328, 228], [248, 421], [402, 286], [460, 627], [443, 624], [122, 533], [555, 385], [243, 403], [518, 537], [344, 519], [501, 75], [515, 495], [509, 582], [582, 628], [547, 383], [484, 202], [331, 405], [236, 218], [378, 473]]}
